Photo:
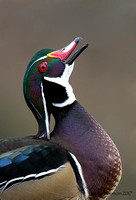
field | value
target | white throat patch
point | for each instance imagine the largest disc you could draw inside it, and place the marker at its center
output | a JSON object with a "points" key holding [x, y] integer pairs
{"points": [[64, 81]]}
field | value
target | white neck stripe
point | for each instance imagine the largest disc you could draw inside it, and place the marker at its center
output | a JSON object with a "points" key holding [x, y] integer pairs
{"points": [[37, 112], [46, 113]]}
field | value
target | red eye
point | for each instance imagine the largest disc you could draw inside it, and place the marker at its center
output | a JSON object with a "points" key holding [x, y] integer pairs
{"points": [[43, 66]]}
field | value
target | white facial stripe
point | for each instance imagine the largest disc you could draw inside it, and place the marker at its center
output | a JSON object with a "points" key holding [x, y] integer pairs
{"points": [[64, 81], [46, 113], [41, 58], [81, 174]]}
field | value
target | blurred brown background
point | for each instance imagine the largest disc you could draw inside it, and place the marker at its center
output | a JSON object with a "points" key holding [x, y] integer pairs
{"points": [[104, 78]]}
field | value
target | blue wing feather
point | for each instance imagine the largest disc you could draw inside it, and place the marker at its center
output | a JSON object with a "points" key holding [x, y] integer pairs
{"points": [[17, 165]]}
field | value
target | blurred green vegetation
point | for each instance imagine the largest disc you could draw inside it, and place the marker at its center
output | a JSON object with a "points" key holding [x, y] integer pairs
{"points": [[104, 78]]}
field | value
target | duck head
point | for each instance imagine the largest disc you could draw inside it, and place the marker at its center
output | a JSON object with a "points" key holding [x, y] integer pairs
{"points": [[46, 83]]}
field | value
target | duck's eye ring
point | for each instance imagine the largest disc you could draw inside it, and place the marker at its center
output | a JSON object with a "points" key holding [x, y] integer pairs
{"points": [[43, 66]]}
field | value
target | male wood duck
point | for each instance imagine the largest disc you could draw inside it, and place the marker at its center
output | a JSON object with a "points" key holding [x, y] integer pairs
{"points": [[77, 160]]}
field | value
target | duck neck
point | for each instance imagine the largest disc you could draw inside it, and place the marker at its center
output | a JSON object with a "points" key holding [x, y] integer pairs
{"points": [[78, 132], [72, 122]]}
